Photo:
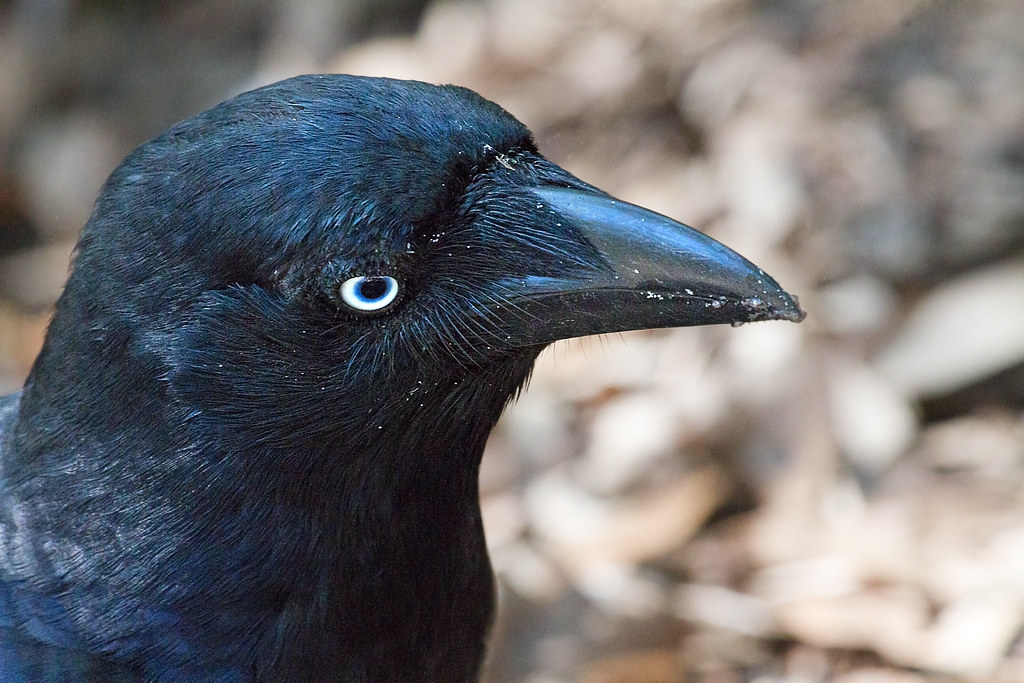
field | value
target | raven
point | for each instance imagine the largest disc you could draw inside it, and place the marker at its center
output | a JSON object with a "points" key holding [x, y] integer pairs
{"points": [[249, 447]]}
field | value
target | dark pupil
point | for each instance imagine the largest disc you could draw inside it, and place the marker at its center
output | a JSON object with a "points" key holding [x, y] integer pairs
{"points": [[373, 288]]}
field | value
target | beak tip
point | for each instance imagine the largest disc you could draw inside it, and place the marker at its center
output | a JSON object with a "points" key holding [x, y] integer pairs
{"points": [[794, 313], [785, 307], [770, 302]]}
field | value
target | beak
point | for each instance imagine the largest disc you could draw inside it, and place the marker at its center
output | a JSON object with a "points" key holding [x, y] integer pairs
{"points": [[660, 273]]}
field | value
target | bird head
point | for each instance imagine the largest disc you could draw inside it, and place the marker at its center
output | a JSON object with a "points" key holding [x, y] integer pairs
{"points": [[324, 251]]}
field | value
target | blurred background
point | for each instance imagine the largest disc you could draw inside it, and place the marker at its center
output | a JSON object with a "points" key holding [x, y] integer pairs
{"points": [[834, 501]]}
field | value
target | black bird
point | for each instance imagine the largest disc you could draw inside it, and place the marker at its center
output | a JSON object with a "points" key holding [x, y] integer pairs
{"points": [[249, 447]]}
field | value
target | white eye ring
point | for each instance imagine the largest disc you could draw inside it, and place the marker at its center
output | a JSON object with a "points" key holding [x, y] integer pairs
{"points": [[369, 293]]}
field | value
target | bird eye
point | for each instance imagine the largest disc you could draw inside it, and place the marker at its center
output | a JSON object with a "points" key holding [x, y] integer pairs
{"points": [[369, 293]]}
